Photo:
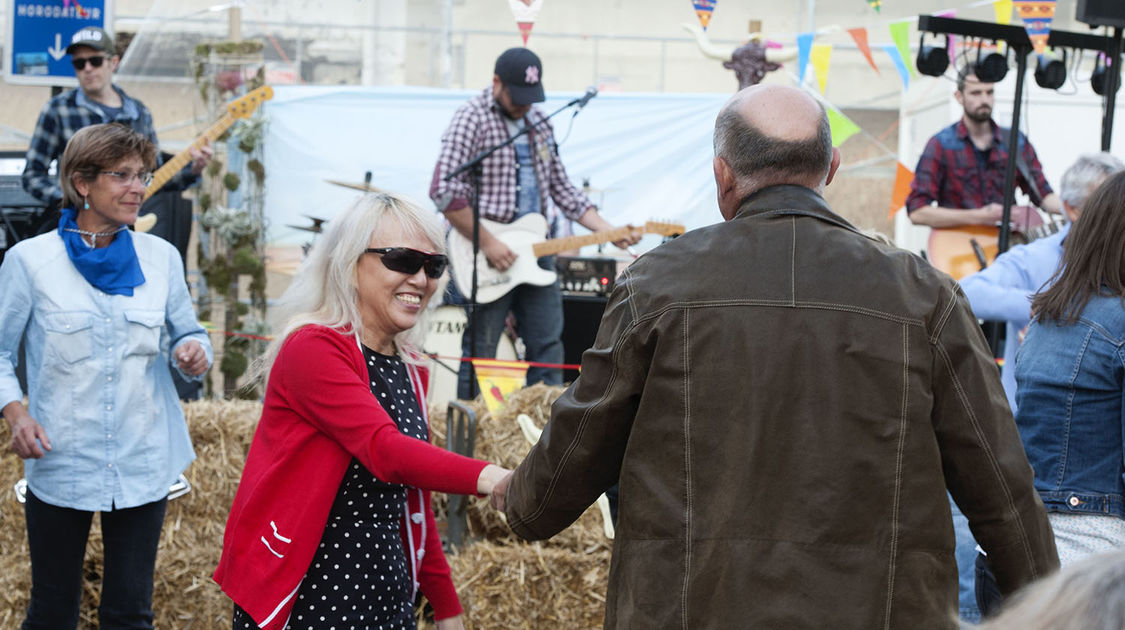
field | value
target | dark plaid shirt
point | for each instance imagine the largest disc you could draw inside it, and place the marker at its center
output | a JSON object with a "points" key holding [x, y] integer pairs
{"points": [[952, 173], [479, 124], [61, 118]]}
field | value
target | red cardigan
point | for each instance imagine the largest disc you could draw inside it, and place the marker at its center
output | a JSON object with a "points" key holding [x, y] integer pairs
{"points": [[318, 414]]}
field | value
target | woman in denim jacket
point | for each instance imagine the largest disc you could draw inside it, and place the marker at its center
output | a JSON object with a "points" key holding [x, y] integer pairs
{"points": [[1070, 373]]}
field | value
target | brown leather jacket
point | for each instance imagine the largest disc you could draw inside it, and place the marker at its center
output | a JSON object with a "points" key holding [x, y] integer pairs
{"points": [[785, 402]]}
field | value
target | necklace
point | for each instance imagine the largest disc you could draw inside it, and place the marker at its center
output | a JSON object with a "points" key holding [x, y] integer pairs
{"points": [[94, 236]]}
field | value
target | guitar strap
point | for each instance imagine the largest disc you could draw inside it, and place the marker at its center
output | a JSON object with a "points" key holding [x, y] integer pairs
{"points": [[1033, 188]]}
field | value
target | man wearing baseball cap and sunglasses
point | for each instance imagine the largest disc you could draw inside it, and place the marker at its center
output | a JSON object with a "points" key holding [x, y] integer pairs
{"points": [[524, 178], [96, 100]]}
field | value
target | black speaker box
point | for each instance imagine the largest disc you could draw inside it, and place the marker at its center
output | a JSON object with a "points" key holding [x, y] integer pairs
{"points": [[581, 316], [1101, 12]]}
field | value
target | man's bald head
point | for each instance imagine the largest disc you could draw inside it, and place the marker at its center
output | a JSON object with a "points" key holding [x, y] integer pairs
{"points": [[771, 134]]}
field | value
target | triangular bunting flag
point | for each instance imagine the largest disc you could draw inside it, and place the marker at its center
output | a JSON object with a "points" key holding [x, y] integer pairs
{"points": [[804, 47], [900, 34], [900, 65], [1003, 10], [901, 190], [876, 4], [498, 380], [525, 12], [525, 30], [820, 55], [859, 35], [703, 10], [842, 127], [1037, 16]]}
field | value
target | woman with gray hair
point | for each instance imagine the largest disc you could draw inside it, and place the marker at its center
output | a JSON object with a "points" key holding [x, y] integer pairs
{"points": [[332, 525], [103, 312]]}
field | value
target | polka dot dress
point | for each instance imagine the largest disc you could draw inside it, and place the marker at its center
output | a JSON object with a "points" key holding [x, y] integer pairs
{"points": [[360, 576]]}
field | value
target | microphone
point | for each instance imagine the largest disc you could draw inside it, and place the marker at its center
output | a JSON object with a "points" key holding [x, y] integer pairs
{"points": [[591, 92]]}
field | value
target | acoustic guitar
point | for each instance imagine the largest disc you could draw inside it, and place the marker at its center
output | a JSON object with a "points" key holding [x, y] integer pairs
{"points": [[524, 237], [965, 250]]}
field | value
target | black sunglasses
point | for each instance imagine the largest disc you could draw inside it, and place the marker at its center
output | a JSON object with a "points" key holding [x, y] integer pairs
{"points": [[406, 260], [96, 61]]}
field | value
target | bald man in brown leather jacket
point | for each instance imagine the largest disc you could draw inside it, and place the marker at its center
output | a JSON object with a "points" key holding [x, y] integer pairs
{"points": [[785, 401]]}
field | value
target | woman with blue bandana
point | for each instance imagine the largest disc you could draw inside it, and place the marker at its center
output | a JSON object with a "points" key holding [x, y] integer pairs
{"points": [[100, 310]]}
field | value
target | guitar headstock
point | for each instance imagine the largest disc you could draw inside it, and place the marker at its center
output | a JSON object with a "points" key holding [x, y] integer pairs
{"points": [[664, 228], [243, 106]]}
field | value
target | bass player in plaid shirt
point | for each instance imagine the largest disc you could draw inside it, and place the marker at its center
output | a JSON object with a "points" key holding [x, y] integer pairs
{"points": [[522, 178]]}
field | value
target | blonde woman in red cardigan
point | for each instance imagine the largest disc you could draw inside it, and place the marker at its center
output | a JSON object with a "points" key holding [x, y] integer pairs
{"points": [[332, 525]]}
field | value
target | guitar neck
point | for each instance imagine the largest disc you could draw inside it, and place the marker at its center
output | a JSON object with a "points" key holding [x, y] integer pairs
{"points": [[556, 245], [174, 165]]}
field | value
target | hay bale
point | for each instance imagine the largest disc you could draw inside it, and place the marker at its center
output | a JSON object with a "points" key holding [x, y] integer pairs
{"points": [[502, 582], [499, 440], [184, 594], [530, 585]]}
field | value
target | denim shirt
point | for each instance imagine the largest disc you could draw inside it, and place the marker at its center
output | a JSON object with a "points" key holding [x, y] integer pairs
{"points": [[97, 373], [1071, 383], [1003, 291]]}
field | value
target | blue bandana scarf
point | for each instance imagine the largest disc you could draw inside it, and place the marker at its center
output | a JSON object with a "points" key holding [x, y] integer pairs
{"points": [[113, 269]]}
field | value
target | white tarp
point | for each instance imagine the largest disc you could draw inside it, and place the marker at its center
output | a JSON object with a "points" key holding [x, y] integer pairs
{"points": [[650, 153]]}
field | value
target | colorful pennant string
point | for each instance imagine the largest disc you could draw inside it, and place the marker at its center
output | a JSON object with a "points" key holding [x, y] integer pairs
{"points": [[1037, 16], [703, 10], [525, 12]]}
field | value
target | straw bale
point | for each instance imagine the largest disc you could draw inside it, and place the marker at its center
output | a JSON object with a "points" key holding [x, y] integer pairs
{"points": [[530, 585], [499, 440], [499, 574], [184, 595]]}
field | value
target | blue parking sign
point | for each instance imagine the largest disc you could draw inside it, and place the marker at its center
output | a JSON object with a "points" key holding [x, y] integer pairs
{"points": [[40, 31]]}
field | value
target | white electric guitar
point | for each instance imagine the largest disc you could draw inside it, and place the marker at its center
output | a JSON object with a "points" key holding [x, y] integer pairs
{"points": [[524, 237]]}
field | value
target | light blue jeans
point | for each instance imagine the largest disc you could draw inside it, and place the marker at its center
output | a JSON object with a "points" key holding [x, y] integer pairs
{"points": [[966, 553]]}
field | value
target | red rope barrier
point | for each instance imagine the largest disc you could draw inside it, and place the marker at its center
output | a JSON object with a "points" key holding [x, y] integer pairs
{"points": [[432, 355]]}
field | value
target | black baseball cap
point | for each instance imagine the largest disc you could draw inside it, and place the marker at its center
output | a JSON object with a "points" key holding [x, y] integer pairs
{"points": [[521, 72], [94, 37]]}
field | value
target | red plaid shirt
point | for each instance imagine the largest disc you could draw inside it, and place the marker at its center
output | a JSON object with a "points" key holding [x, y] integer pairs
{"points": [[479, 124], [950, 172]]}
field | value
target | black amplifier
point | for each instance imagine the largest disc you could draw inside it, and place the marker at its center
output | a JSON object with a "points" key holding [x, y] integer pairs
{"points": [[589, 276], [1101, 12]]}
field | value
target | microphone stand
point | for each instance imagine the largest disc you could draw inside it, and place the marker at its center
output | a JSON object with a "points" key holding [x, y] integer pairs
{"points": [[475, 165]]}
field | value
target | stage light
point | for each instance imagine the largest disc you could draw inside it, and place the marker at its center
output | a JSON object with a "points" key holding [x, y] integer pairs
{"points": [[1098, 78], [1050, 73], [992, 68], [932, 61]]}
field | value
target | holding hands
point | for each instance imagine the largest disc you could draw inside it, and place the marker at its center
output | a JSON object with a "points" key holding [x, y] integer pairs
{"points": [[500, 492], [491, 476]]}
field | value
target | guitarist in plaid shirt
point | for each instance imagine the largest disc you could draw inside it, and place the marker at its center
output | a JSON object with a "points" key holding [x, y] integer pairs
{"points": [[96, 100], [960, 176], [522, 178]]}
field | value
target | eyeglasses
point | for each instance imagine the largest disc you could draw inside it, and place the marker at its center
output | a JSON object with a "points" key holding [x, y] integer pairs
{"points": [[96, 61], [406, 260], [144, 177]]}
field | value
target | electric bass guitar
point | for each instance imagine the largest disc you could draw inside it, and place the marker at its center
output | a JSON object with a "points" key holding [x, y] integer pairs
{"points": [[524, 237], [965, 250], [240, 107]]}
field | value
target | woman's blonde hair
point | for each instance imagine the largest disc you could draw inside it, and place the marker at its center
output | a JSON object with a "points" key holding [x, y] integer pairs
{"points": [[324, 290]]}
